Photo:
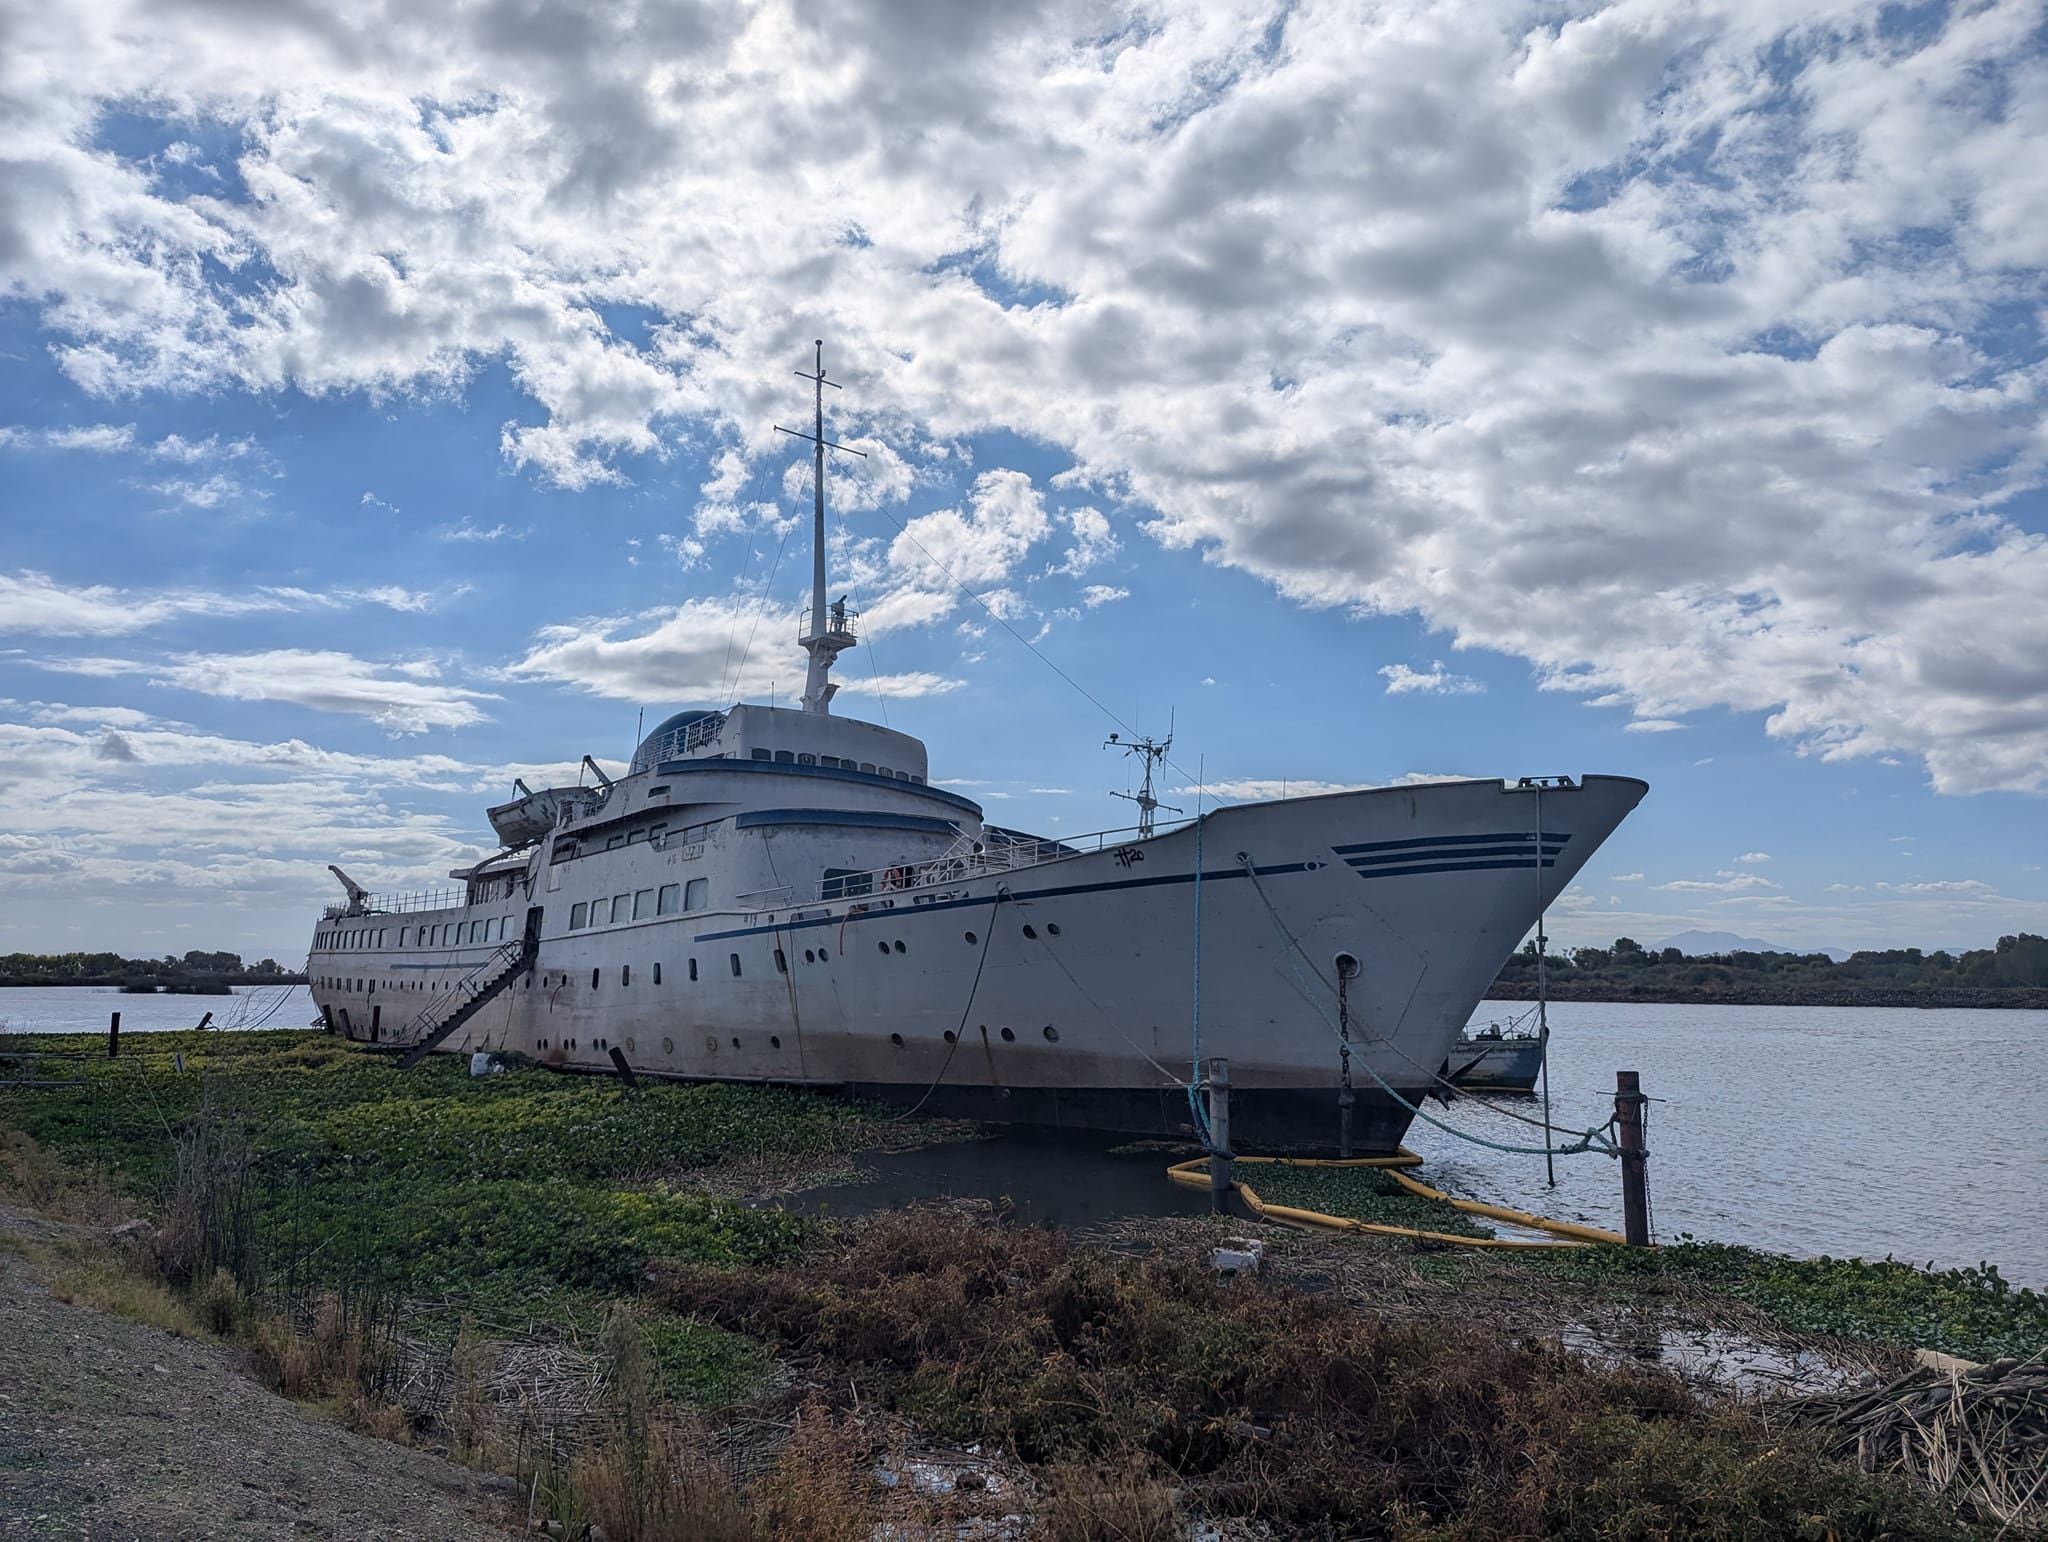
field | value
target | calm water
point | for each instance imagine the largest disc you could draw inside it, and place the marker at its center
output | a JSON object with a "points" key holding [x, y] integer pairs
{"points": [[85, 1008], [1841, 1130], [1850, 1131]]}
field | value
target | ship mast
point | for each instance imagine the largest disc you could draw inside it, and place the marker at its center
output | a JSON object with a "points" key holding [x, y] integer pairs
{"points": [[828, 630]]}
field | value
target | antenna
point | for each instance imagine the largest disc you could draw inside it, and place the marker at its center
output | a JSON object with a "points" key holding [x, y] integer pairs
{"points": [[1153, 751], [827, 632]]}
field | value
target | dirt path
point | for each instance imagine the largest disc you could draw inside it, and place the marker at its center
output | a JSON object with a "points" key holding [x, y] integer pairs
{"points": [[113, 1429]]}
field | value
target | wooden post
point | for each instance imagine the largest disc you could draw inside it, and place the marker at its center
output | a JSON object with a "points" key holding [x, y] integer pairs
{"points": [[203, 1022], [1635, 1191], [114, 1036], [1219, 1135], [625, 1070]]}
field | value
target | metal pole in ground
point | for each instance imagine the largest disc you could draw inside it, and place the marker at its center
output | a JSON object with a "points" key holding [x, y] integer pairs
{"points": [[1219, 1135], [114, 1036], [1635, 1190]]}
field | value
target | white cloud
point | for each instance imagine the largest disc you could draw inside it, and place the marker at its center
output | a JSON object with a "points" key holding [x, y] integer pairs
{"points": [[1653, 725], [703, 652], [1626, 878], [1094, 541], [1103, 594], [1401, 681], [401, 698], [1725, 881], [466, 531], [1256, 789], [1751, 858], [1663, 346], [98, 438]]}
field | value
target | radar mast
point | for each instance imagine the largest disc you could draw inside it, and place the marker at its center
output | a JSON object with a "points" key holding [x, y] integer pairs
{"points": [[1153, 751]]}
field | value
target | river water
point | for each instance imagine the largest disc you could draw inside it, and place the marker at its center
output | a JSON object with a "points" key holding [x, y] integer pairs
{"points": [[85, 1009], [1848, 1131]]}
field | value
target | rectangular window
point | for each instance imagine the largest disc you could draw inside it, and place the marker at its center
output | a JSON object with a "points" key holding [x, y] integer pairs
{"points": [[643, 904], [735, 960], [763, 755], [670, 899], [656, 832], [657, 974], [615, 843], [697, 894], [622, 908], [693, 969], [404, 935], [578, 914], [658, 792]]}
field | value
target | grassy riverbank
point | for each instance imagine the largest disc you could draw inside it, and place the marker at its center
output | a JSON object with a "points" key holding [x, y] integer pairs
{"points": [[551, 1275]]}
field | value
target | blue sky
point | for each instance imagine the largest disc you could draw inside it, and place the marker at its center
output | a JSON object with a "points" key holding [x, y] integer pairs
{"points": [[1382, 394]]}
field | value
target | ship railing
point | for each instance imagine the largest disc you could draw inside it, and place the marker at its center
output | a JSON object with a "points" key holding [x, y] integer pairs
{"points": [[398, 904], [993, 853]]}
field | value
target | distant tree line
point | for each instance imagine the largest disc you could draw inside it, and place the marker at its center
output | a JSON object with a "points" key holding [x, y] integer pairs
{"points": [[113, 969], [2014, 973]]}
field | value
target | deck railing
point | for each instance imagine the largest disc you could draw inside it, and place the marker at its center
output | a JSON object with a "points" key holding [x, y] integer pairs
{"points": [[995, 852], [399, 904]]}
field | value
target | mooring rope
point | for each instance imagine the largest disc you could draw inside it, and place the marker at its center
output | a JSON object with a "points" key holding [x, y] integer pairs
{"points": [[1252, 871], [1201, 1115], [1593, 1138]]}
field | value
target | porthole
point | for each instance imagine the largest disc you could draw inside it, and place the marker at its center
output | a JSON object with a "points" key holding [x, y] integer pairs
{"points": [[883, 946], [952, 1037], [1052, 1034], [971, 937], [775, 1041], [1009, 1037], [735, 1043], [896, 1039], [1053, 928], [631, 1047], [899, 946], [668, 1046], [824, 955], [711, 1043], [810, 955], [1031, 931]]}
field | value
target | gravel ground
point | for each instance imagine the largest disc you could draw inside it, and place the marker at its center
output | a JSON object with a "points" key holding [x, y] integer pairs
{"points": [[113, 1429]]}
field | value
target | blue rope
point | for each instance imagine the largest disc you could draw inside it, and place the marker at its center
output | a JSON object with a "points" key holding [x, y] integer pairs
{"points": [[1585, 1142], [1201, 1114]]}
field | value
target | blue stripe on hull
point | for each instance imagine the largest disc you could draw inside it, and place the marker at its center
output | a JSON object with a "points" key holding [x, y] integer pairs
{"points": [[1505, 837]]}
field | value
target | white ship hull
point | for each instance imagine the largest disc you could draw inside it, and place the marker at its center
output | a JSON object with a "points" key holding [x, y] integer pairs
{"points": [[1059, 990]]}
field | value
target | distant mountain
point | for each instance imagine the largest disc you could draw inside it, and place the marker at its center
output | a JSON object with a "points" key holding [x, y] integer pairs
{"points": [[1694, 943]]}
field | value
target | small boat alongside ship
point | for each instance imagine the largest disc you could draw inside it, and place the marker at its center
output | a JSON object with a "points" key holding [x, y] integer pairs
{"points": [[1495, 1059], [778, 894]]}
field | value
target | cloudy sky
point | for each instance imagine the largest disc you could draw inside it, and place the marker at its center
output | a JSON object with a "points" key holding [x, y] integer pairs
{"points": [[388, 400]]}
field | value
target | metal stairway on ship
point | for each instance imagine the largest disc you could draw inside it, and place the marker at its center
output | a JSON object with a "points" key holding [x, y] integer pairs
{"points": [[474, 991]]}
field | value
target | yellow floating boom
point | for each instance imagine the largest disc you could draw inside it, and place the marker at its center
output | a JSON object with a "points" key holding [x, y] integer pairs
{"points": [[1195, 1175]]}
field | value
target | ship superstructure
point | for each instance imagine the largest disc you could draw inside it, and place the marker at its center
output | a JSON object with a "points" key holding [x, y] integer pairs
{"points": [[781, 895]]}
